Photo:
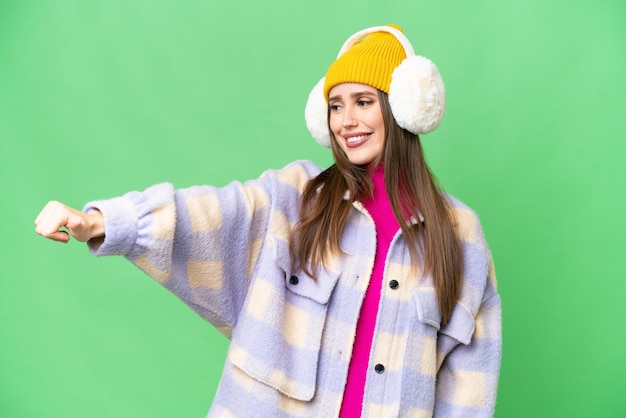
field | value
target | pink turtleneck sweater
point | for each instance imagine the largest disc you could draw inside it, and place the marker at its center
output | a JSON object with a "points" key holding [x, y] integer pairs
{"points": [[379, 208]]}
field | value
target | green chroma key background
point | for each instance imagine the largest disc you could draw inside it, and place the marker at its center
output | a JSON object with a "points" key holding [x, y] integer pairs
{"points": [[102, 97]]}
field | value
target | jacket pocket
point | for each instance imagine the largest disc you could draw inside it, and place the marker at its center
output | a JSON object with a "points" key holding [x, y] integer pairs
{"points": [[278, 340], [461, 325]]}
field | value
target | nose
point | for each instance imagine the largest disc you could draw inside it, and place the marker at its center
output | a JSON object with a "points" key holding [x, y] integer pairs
{"points": [[349, 120]]}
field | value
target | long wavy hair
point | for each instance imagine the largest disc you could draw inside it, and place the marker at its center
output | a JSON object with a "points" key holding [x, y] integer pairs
{"points": [[413, 192]]}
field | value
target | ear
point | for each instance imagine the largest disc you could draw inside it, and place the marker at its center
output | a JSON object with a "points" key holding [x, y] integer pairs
{"points": [[316, 115], [417, 95]]}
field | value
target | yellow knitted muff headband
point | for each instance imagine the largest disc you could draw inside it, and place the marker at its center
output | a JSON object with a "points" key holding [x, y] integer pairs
{"points": [[371, 61]]}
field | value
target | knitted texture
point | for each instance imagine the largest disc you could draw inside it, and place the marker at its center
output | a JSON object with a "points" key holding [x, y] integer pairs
{"points": [[370, 61]]}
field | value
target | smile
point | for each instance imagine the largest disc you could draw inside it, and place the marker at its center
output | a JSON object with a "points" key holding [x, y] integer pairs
{"points": [[358, 138]]}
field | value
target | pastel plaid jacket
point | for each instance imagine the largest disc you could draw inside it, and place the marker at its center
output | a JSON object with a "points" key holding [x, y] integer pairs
{"points": [[224, 252]]}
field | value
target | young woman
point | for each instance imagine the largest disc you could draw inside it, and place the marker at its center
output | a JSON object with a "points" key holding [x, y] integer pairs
{"points": [[358, 290]]}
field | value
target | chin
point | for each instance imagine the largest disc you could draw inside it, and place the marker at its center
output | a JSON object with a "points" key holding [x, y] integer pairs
{"points": [[361, 160]]}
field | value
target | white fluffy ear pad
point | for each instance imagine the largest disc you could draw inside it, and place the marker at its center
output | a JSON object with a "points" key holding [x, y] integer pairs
{"points": [[316, 114], [417, 95]]}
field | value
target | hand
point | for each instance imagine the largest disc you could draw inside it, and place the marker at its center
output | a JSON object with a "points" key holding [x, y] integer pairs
{"points": [[82, 226]]}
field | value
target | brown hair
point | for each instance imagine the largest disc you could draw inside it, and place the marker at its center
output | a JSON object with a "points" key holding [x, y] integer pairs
{"points": [[412, 190]]}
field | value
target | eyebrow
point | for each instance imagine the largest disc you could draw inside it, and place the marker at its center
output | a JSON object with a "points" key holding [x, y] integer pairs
{"points": [[355, 94]]}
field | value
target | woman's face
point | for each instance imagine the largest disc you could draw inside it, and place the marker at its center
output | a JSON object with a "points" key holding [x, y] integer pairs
{"points": [[357, 121]]}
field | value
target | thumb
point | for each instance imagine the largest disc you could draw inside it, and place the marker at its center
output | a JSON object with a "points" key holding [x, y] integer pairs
{"points": [[74, 221]]}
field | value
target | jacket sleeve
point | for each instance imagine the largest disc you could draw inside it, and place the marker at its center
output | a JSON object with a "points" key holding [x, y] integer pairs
{"points": [[201, 243]]}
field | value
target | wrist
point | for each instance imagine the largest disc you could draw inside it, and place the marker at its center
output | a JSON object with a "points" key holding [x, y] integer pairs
{"points": [[95, 222]]}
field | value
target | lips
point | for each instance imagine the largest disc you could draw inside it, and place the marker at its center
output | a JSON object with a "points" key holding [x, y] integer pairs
{"points": [[356, 139]]}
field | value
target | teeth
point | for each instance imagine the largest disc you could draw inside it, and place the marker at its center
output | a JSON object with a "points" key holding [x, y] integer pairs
{"points": [[356, 138]]}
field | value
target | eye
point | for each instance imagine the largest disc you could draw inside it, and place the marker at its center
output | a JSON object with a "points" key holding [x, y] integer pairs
{"points": [[364, 102], [334, 107]]}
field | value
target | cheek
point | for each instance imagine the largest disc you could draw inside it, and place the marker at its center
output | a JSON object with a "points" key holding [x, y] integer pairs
{"points": [[377, 121], [333, 123]]}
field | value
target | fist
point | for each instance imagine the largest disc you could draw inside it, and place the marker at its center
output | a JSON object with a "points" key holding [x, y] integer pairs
{"points": [[58, 222]]}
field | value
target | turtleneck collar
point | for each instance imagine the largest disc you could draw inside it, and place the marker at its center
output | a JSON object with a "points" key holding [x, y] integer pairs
{"points": [[379, 201]]}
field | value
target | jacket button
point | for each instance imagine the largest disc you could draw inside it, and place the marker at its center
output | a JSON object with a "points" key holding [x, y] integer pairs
{"points": [[379, 368], [293, 280], [394, 284]]}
